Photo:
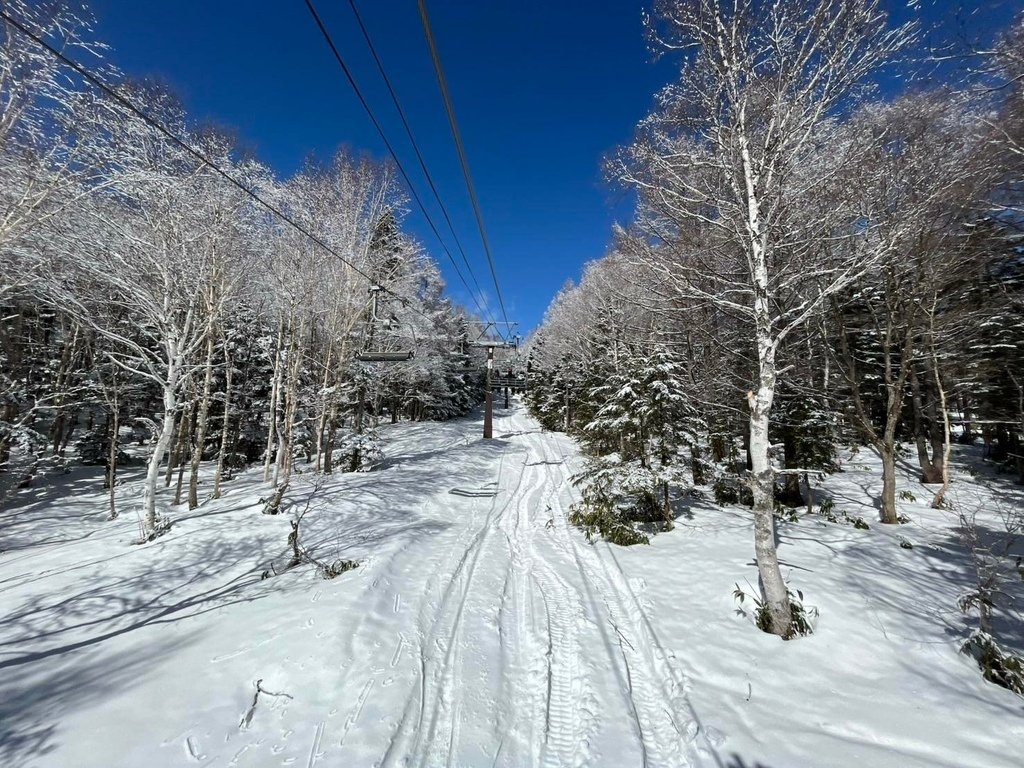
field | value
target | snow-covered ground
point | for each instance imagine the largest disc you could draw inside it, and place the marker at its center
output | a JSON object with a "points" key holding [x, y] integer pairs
{"points": [[481, 630]]}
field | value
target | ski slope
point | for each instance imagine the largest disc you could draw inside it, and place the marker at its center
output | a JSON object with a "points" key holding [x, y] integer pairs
{"points": [[479, 630]]}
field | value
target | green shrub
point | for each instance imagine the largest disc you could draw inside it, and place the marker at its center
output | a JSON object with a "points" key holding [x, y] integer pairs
{"points": [[997, 664], [800, 616], [616, 496], [606, 522], [725, 492], [729, 489]]}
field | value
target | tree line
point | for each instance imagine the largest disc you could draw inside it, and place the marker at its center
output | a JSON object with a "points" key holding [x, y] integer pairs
{"points": [[812, 262], [145, 298]]}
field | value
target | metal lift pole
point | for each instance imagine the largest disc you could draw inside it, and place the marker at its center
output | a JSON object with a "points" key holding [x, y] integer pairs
{"points": [[490, 345], [489, 398]]}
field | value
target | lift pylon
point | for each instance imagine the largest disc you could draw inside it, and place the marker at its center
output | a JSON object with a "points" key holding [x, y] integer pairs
{"points": [[490, 345]]}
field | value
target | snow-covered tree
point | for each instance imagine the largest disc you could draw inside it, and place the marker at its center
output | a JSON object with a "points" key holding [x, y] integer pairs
{"points": [[739, 155]]}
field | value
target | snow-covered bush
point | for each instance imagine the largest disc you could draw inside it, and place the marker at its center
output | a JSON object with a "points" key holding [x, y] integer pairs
{"points": [[998, 665], [617, 496]]}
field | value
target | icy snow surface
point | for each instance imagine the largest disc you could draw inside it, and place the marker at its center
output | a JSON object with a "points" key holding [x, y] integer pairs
{"points": [[480, 629]]}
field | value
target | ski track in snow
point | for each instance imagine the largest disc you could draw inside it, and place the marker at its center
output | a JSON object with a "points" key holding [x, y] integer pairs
{"points": [[547, 714], [613, 605], [498, 639], [481, 630]]}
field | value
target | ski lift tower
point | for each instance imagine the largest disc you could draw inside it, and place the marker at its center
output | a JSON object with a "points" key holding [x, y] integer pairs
{"points": [[490, 345]]}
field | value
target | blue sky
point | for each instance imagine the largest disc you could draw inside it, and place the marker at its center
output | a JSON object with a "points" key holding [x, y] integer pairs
{"points": [[542, 89]]}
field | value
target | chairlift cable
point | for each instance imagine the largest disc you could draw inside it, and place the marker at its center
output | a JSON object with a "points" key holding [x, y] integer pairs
{"points": [[412, 140], [110, 91], [391, 150], [461, 150]]}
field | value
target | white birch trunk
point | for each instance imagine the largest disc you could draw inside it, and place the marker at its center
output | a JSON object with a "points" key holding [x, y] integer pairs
{"points": [[275, 395], [773, 588], [200, 436], [159, 449], [226, 424]]}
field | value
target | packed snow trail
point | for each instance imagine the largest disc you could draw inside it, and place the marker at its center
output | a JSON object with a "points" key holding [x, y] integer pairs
{"points": [[523, 647], [480, 628]]}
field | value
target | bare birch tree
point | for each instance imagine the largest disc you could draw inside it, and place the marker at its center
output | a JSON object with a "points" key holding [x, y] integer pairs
{"points": [[735, 148]]}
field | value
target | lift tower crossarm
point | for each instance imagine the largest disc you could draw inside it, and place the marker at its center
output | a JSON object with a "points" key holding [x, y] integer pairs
{"points": [[490, 345]]}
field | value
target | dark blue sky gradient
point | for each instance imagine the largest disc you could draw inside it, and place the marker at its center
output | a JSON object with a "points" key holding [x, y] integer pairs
{"points": [[542, 89]]}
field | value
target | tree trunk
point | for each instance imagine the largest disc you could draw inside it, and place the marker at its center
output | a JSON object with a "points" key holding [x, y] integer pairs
{"points": [[773, 589], [332, 424], [200, 435], [324, 409], [791, 494], [887, 450], [358, 424], [189, 426], [56, 431], [225, 427], [161, 446], [566, 424], [69, 430], [931, 469], [172, 458], [666, 507], [696, 464], [286, 440], [939, 500], [965, 412], [112, 455], [275, 397]]}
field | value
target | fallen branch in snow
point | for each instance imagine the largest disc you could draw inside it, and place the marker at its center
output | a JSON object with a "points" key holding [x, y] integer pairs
{"points": [[622, 637], [255, 700], [300, 555], [163, 525]]}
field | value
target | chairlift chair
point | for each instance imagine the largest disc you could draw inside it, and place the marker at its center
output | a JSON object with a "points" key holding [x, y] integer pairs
{"points": [[378, 354]]}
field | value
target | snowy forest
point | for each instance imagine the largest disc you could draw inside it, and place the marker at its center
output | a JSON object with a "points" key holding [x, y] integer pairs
{"points": [[149, 299], [787, 403], [809, 267]]}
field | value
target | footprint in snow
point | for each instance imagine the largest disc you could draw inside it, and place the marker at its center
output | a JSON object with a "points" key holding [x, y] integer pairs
{"points": [[193, 749], [714, 736]]}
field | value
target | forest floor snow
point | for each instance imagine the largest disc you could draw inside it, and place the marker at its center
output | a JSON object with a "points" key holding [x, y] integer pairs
{"points": [[480, 629]]}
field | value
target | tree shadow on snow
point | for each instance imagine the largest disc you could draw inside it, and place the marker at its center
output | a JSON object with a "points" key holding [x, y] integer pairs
{"points": [[203, 578], [409, 497], [33, 704], [921, 585], [735, 761]]}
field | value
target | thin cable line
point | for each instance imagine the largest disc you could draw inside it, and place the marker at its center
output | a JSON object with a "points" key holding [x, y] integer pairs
{"points": [[463, 160], [408, 131], [138, 112], [391, 150]]}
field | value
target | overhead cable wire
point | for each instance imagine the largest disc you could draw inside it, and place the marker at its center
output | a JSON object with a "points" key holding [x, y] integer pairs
{"points": [[463, 160], [192, 151], [412, 140], [391, 150]]}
